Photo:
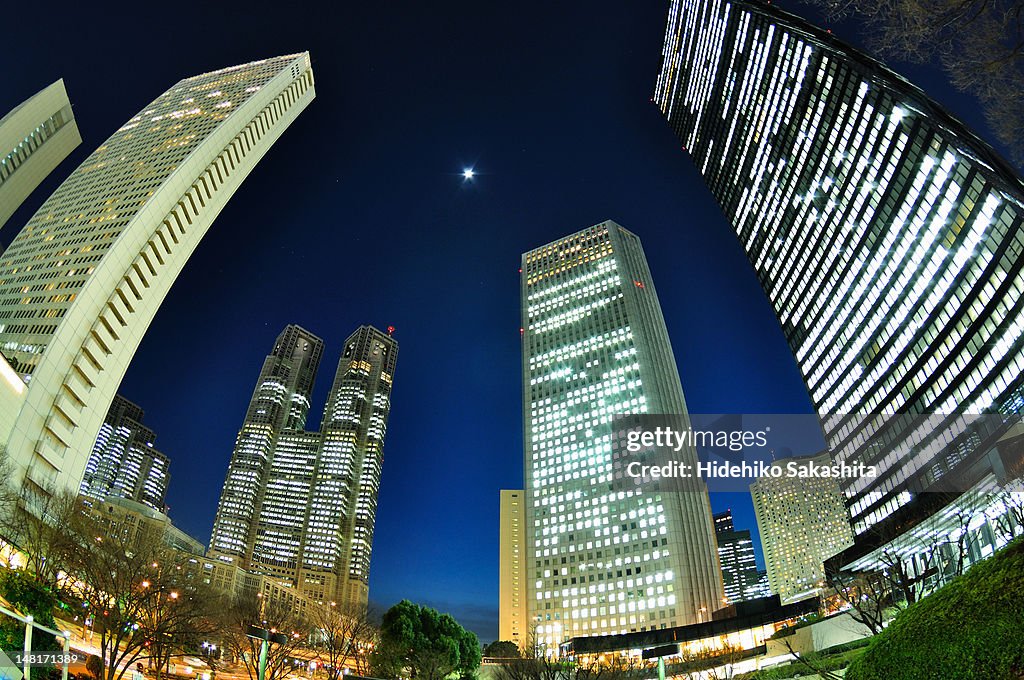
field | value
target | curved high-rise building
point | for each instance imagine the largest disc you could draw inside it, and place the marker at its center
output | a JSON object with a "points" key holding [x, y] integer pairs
{"points": [[81, 282], [888, 238], [34, 137]]}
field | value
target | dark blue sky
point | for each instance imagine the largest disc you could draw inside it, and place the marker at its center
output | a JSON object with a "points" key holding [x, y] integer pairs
{"points": [[359, 215]]}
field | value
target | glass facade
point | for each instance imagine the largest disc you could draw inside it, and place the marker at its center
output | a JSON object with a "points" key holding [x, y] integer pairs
{"points": [[736, 556], [301, 506], [887, 237], [123, 462], [602, 559]]}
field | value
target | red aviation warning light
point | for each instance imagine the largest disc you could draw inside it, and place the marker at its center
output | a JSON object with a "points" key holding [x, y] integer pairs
{"points": [[638, 284], [391, 330]]}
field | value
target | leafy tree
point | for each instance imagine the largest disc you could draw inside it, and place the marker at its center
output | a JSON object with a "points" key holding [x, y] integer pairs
{"points": [[979, 43], [429, 644], [502, 649], [27, 596], [94, 665]]}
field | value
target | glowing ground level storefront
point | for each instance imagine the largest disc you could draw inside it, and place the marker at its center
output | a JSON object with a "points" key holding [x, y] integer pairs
{"points": [[736, 636]]}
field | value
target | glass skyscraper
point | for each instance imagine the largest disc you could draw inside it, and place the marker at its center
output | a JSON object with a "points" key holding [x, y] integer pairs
{"points": [[736, 556], [887, 237], [124, 462], [601, 558], [81, 282], [300, 506]]}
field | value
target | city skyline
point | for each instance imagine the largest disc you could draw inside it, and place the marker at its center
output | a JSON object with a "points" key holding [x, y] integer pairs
{"points": [[82, 280], [592, 146]]}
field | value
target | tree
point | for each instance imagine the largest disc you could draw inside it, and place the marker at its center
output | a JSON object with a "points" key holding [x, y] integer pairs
{"points": [[1010, 522], [969, 628], [431, 645], [866, 593], [143, 603], [502, 649], [271, 614], [27, 596], [341, 635], [94, 665], [979, 43], [35, 520]]}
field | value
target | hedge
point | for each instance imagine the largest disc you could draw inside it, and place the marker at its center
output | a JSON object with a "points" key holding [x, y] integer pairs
{"points": [[970, 629]]}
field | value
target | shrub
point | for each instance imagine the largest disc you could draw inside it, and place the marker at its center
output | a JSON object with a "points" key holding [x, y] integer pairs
{"points": [[970, 629]]}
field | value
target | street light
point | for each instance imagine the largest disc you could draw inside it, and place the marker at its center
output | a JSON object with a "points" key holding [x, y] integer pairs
{"points": [[266, 637]]}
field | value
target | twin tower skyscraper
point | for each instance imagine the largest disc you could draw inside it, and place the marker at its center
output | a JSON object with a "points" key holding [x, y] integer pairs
{"points": [[299, 506]]}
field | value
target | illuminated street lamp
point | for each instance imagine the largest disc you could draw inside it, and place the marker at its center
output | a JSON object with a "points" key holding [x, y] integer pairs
{"points": [[266, 637]]}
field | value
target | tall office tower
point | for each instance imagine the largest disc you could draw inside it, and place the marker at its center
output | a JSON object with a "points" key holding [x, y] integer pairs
{"points": [[123, 462], [354, 424], [602, 560], [300, 506], [761, 587], [513, 624], [279, 401], [802, 522], [886, 235], [736, 557], [81, 282], [34, 137]]}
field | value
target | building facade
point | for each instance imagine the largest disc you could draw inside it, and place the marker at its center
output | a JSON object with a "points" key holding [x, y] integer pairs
{"points": [[133, 517], [736, 557], [123, 462], [298, 506], [888, 238], [81, 282], [279, 401], [34, 137], [802, 522], [513, 622], [601, 558]]}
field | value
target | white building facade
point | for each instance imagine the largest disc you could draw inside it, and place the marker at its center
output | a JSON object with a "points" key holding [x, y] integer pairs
{"points": [[82, 281], [602, 559]]}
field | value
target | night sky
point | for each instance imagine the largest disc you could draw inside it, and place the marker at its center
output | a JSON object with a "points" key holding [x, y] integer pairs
{"points": [[359, 214]]}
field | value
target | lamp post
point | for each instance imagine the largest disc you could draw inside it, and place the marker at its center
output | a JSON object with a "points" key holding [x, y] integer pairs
{"points": [[265, 637]]}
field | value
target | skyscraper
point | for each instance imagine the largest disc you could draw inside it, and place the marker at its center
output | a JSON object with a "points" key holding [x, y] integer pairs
{"points": [[736, 556], [300, 506], [81, 282], [513, 622], [279, 401], [602, 560], [887, 237], [802, 522], [123, 462], [34, 137]]}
